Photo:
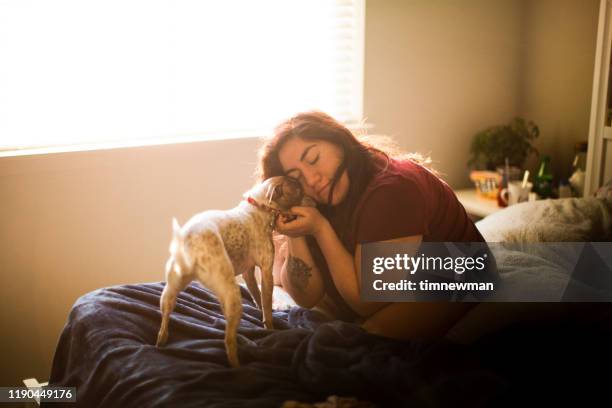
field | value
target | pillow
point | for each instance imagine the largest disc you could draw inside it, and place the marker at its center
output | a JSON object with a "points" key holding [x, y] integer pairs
{"points": [[604, 191], [559, 220]]}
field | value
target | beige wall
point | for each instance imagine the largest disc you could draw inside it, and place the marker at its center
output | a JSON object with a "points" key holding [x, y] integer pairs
{"points": [[559, 60], [435, 73], [74, 222], [438, 71]]}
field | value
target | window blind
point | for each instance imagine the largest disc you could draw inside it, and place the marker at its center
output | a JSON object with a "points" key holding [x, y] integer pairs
{"points": [[82, 71]]}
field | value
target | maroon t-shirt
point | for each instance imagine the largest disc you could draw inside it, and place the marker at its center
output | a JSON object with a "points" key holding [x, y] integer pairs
{"points": [[406, 199], [401, 200]]}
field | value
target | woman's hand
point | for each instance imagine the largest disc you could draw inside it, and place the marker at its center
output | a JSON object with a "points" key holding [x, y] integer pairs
{"points": [[309, 221]]}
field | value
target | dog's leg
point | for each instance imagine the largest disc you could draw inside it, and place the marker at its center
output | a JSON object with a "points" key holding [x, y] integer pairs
{"points": [[267, 288], [228, 293], [221, 280], [166, 303], [251, 282], [232, 309], [175, 283]]}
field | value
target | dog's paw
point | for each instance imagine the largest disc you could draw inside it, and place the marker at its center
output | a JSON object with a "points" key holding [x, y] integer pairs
{"points": [[161, 339]]}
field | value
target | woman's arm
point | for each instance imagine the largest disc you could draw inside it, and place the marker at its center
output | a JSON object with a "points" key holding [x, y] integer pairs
{"points": [[296, 272], [343, 267], [346, 269]]}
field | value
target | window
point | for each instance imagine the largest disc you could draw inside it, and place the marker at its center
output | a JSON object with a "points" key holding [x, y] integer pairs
{"points": [[81, 71]]}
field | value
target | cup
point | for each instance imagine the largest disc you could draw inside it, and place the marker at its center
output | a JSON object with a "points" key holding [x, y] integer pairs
{"points": [[515, 193]]}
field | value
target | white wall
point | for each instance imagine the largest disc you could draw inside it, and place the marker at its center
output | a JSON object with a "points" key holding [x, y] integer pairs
{"points": [[436, 71]]}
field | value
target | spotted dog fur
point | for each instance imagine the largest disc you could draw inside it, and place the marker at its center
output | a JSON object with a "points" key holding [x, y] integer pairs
{"points": [[215, 246]]}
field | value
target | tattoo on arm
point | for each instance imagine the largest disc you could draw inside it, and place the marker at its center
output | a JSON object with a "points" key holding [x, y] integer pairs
{"points": [[298, 273]]}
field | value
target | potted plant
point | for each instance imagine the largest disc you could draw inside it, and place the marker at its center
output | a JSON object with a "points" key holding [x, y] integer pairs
{"points": [[492, 146]]}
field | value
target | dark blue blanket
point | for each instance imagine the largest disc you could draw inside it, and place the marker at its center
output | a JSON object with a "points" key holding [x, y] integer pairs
{"points": [[107, 350]]}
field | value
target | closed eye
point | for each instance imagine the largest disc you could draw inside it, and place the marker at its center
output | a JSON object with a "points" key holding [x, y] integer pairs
{"points": [[315, 160]]}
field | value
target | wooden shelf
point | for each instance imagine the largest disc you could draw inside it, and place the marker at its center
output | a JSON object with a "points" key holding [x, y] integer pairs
{"points": [[476, 205]]}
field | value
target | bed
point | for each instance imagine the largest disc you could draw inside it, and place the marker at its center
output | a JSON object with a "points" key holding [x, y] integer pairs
{"points": [[107, 348]]}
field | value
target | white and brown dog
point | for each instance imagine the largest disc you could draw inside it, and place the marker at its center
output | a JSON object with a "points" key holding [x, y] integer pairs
{"points": [[216, 246]]}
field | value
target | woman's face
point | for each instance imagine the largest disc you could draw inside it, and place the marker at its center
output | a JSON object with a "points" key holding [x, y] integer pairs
{"points": [[314, 163]]}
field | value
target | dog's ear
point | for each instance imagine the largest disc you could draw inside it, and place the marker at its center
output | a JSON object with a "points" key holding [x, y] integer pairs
{"points": [[255, 191], [271, 193]]}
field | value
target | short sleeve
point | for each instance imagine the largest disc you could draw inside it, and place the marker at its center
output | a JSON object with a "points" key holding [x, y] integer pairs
{"points": [[393, 210]]}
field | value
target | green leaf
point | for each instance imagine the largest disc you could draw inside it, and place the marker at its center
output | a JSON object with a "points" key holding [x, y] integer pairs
{"points": [[491, 146]]}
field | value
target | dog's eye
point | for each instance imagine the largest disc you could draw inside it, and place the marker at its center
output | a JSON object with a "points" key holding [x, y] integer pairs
{"points": [[278, 191]]}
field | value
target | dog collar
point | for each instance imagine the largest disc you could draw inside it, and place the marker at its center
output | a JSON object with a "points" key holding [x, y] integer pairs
{"points": [[264, 207], [275, 212]]}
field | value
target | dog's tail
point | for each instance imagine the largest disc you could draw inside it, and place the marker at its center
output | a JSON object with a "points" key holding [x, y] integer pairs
{"points": [[178, 251]]}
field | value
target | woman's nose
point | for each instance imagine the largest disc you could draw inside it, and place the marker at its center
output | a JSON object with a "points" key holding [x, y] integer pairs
{"points": [[311, 178]]}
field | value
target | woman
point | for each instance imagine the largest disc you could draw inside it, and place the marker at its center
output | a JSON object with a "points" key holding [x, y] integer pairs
{"points": [[363, 194]]}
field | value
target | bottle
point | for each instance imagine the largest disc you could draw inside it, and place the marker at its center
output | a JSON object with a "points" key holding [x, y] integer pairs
{"points": [[544, 179], [502, 200], [578, 169]]}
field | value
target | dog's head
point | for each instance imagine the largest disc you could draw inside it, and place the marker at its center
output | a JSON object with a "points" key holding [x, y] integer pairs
{"points": [[280, 193]]}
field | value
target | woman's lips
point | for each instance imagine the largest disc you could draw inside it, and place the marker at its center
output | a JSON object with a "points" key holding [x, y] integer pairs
{"points": [[320, 192]]}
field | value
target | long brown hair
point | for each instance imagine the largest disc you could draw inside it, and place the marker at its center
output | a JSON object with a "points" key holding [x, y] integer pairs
{"points": [[363, 156], [357, 158]]}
